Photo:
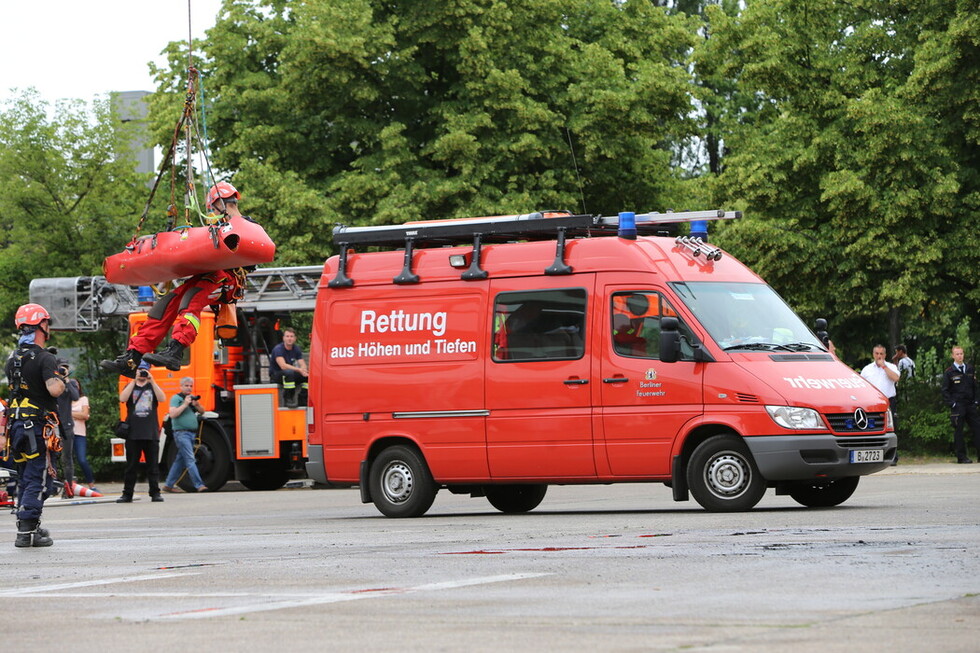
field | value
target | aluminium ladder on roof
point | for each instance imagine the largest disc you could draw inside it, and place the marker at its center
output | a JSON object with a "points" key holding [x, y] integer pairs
{"points": [[477, 231]]}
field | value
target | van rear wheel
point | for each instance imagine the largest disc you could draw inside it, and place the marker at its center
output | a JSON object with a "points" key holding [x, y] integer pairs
{"points": [[515, 498], [826, 494], [723, 476], [400, 482]]}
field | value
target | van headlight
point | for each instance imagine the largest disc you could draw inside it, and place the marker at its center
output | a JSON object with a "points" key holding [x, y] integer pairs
{"points": [[794, 417]]}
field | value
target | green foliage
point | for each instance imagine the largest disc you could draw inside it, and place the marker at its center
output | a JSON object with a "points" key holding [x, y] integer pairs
{"points": [[69, 193], [69, 196], [364, 112], [854, 153]]}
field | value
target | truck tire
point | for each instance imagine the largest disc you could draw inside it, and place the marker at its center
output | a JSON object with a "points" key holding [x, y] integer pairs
{"points": [[515, 498], [826, 494], [213, 462], [400, 482], [723, 476]]}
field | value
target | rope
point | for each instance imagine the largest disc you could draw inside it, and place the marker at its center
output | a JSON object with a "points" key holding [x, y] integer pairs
{"points": [[188, 125]]}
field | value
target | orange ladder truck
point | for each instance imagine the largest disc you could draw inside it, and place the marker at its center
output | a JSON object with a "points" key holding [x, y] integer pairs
{"points": [[245, 434]]}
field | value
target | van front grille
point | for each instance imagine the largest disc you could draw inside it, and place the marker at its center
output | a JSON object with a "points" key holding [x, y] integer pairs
{"points": [[845, 422]]}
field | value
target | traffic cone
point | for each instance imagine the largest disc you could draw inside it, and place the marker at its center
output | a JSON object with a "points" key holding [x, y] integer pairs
{"points": [[82, 491]]}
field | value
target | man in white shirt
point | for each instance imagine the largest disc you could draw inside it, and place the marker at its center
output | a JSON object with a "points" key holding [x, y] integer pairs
{"points": [[883, 375]]}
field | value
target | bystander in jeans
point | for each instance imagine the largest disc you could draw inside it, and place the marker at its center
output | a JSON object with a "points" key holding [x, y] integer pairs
{"points": [[184, 409]]}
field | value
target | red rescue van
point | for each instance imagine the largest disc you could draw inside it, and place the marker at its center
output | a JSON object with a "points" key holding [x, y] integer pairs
{"points": [[497, 356]]}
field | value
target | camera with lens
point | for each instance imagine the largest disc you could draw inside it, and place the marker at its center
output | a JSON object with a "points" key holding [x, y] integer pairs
{"points": [[143, 374], [195, 397]]}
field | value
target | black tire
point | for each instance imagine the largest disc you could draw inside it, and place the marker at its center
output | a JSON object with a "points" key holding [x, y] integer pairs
{"points": [[400, 482], [825, 494], [265, 475], [515, 498], [213, 462], [723, 476]]}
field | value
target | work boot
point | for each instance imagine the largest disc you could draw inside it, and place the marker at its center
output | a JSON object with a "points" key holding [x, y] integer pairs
{"points": [[172, 357], [125, 365], [28, 534]]}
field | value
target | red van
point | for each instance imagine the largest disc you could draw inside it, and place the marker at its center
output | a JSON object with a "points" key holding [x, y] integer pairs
{"points": [[497, 356]]}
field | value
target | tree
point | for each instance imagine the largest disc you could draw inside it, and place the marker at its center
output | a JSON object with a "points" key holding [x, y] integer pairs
{"points": [[367, 112], [69, 192], [845, 157], [69, 196]]}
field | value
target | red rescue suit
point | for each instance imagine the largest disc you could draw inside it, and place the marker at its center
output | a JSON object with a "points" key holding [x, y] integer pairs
{"points": [[182, 307]]}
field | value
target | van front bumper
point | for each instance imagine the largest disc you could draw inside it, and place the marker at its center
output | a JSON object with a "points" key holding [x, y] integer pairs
{"points": [[821, 456]]}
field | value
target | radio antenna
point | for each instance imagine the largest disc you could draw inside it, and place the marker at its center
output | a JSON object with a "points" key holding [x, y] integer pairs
{"points": [[578, 177]]}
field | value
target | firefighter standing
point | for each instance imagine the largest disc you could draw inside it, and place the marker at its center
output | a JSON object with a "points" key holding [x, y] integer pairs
{"points": [[182, 306], [32, 419], [959, 388]]}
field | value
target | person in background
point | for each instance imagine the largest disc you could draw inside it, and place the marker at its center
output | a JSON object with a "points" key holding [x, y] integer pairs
{"points": [[884, 375], [959, 390], [67, 426], [906, 366], [184, 408], [142, 396], [80, 414], [288, 369]]}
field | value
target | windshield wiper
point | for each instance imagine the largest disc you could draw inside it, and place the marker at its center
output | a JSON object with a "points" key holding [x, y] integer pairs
{"points": [[761, 346], [802, 346]]}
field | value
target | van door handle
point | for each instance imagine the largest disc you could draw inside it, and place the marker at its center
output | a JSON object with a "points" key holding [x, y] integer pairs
{"points": [[616, 379], [576, 381]]}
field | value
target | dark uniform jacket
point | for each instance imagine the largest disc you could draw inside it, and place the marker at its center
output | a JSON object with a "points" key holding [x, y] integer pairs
{"points": [[959, 388]]}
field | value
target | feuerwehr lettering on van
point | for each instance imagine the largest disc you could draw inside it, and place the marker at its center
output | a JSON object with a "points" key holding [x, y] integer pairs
{"points": [[825, 384]]}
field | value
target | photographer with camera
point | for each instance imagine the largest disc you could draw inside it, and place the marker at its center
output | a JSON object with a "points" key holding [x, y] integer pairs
{"points": [[184, 409], [142, 396], [67, 427]]}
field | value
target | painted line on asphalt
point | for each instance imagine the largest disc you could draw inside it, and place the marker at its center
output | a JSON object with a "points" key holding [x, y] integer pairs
{"points": [[330, 597], [36, 589]]}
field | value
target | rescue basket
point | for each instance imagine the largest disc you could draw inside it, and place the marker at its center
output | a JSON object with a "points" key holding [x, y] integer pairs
{"points": [[187, 251]]}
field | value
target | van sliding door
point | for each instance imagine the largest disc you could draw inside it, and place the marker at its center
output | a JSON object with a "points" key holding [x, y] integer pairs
{"points": [[538, 379]]}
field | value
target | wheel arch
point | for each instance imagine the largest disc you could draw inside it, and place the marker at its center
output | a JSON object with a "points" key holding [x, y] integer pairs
{"points": [[682, 455], [375, 448]]}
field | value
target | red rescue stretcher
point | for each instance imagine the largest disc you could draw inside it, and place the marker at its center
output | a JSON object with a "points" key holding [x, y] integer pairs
{"points": [[188, 251]]}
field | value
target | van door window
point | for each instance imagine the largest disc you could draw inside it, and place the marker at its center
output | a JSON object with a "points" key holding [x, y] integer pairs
{"points": [[636, 325], [539, 325]]}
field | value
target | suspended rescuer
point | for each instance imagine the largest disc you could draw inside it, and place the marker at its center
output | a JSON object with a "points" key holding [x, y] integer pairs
{"points": [[32, 421], [181, 307]]}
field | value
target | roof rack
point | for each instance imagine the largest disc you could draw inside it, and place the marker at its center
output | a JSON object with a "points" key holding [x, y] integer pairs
{"points": [[553, 225]]}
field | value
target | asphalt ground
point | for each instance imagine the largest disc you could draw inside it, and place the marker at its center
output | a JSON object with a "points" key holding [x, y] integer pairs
{"points": [[612, 568]]}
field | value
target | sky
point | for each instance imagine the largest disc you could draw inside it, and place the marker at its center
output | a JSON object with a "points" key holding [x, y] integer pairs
{"points": [[80, 49]]}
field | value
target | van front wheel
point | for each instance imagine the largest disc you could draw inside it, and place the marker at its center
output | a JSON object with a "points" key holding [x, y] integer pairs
{"points": [[515, 498], [723, 477], [400, 482]]}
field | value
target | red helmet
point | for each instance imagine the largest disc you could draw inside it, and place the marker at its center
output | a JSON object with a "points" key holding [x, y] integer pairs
{"points": [[224, 190], [31, 315]]}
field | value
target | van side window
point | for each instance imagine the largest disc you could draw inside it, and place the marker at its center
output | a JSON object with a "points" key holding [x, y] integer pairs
{"points": [[636, 325], [539, 325]]}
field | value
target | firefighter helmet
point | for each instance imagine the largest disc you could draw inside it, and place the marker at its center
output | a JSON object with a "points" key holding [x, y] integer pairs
{"points": [[224, 190], [31, 315]]}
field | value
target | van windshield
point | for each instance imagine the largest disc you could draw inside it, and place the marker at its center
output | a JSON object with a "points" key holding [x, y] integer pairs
{"points": [[749, 316]]}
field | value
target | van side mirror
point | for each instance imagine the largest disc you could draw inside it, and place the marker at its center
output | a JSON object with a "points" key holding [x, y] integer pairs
{"points": [[820, 327], [670, 340]]}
